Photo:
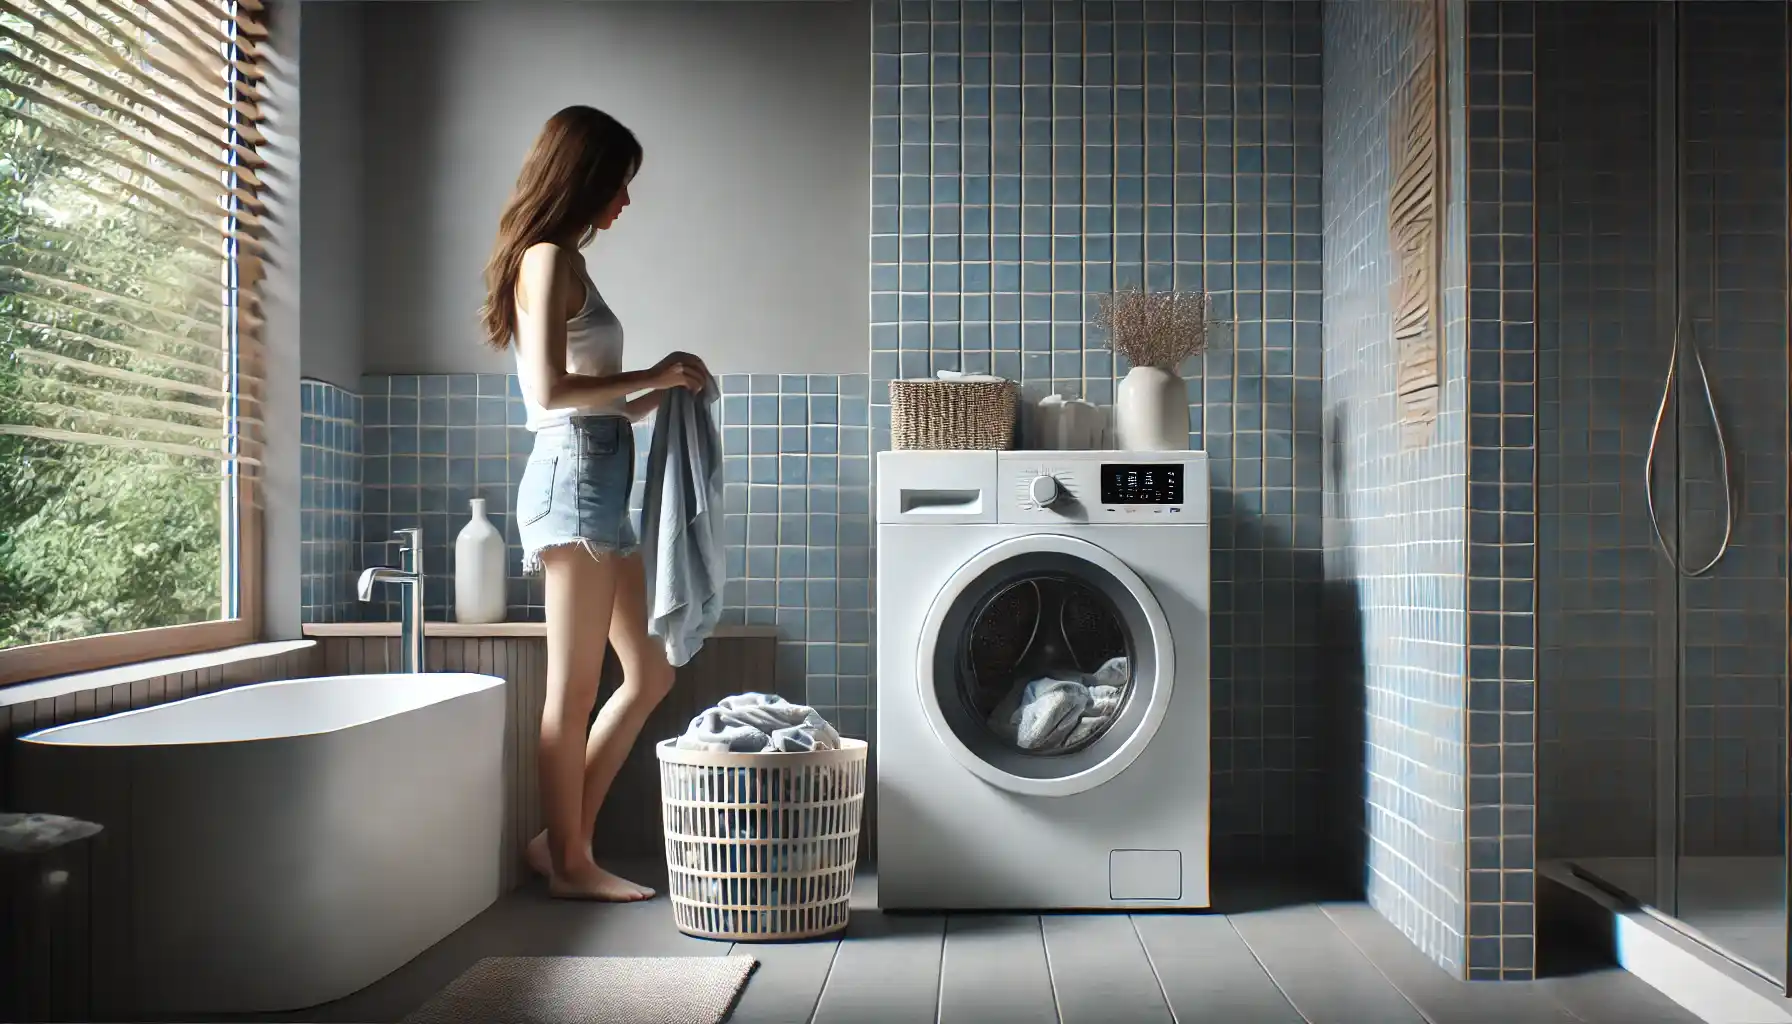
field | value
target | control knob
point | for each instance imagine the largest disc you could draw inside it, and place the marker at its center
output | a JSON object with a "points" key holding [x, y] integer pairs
{"points": [[1045, 491]]}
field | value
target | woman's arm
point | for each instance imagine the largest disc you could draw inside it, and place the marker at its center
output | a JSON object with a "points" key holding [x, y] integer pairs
{"points": [[544, 292], [640, 408]]}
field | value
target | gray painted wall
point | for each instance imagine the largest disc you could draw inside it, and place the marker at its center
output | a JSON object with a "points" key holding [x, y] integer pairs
{"points": [[330, 165], [748, 239], [280, 305]]}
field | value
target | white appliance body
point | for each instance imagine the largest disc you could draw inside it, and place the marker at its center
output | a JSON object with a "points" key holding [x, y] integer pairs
{"points": [[966, 820]]}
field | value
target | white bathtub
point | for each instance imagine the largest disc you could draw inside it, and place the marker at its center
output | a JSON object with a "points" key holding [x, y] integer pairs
{"points": [[279, 845]]}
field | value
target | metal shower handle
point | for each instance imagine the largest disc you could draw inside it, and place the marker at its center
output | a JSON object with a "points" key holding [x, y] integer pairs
{"points": [[1723, 461]]}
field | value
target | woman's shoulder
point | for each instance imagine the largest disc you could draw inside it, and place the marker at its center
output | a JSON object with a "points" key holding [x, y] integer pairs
{"points": [[547, 265], [549, 256]]}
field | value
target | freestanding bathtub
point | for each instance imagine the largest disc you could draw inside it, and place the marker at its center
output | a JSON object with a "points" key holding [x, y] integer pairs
{"points": [[279, 845]]}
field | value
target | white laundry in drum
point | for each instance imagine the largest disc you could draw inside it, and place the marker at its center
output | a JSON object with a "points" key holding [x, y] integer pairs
{"points": [[1052, 714]]}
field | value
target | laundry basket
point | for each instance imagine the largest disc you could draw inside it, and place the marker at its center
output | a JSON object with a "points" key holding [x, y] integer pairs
{"points": [[761, 847]]}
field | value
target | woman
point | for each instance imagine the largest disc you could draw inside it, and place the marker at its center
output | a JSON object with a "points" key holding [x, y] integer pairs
{"points": [[572, 502]]}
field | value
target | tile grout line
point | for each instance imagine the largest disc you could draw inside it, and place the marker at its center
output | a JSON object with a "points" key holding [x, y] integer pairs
{"points": [[1267, 973], [1133, 922], [1324, 910], [815, 1008], [939, 988], [1051, 979]]}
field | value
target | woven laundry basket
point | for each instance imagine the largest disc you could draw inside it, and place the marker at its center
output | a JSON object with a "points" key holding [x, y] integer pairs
{"points": [[761, 847], [956, 414]]}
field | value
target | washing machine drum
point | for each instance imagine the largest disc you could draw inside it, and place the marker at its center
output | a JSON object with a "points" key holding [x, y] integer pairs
{"points": [[1045, 665]]}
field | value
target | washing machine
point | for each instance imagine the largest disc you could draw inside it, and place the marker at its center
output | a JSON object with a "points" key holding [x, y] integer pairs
{"points": [[1042, 680]]}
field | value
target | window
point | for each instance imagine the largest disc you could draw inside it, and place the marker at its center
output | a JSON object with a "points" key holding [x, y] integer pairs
{"points": [[129, 419]]}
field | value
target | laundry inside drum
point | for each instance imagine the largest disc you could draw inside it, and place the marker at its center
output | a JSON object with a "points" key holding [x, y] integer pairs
{"points": [[1046, 664]]}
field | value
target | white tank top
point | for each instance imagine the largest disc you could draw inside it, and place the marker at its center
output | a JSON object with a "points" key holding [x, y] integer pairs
{"points": [[593, 349]]}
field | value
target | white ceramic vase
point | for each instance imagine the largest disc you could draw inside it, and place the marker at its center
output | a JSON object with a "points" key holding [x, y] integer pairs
{"points": [[479, 577], [1151, 411]]}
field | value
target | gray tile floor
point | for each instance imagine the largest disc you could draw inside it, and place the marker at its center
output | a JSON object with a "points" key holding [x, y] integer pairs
{"points": [[1270, 953]]}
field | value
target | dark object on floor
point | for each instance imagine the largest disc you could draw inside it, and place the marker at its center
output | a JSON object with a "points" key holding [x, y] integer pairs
{"points": [[46, 962], [591, 990]]}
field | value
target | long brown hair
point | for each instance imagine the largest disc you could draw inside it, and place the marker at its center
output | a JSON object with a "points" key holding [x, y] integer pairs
{"points": [[580, 161]]}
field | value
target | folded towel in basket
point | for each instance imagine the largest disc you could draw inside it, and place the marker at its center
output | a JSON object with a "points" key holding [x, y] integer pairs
{"points": [[759, 723]]}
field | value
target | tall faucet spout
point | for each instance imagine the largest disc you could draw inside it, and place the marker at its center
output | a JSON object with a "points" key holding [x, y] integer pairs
{"points": [[410, 580], [381, 574]]}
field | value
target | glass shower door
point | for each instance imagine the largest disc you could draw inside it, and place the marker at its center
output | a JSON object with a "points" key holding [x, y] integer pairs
{"points": [[1662, 233], [1731, 420], [1607, 601]]}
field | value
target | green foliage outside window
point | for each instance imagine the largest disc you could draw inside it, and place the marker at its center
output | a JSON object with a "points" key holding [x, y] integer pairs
{"points": [[99, 538]]}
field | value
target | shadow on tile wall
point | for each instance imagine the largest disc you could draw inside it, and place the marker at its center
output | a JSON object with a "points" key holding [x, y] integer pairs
{"points": [[1026, 156], [1395, 519], [797, 509]]}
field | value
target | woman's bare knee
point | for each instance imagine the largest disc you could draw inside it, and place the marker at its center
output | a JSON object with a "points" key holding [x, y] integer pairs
{"points": [[650, 679]]}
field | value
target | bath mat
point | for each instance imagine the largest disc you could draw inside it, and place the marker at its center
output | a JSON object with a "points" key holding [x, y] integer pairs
{"points": [[591, 990]]}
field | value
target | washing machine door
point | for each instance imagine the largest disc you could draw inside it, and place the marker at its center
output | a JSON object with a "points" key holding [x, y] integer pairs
{"points": [[1045, 665]]}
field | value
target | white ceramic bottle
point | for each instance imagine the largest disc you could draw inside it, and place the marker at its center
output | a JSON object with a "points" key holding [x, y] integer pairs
{"points": [[479, 577]]}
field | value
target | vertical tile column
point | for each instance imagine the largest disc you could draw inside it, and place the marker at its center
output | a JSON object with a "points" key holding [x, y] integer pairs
{"points": [[1502, 483], [329, 500], [1395, 522]]}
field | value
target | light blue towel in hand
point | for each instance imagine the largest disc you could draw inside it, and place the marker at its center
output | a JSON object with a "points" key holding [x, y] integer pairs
{"points": [[681, 524], [759, 723]]}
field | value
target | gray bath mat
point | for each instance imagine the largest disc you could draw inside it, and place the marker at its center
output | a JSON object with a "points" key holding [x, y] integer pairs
{"points": [[591, 990]]}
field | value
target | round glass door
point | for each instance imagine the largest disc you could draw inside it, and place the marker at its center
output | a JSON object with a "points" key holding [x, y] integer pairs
{"points": [[1045, 665]]}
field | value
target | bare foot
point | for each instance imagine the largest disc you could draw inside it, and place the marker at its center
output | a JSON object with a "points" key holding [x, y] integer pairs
{"points": [[587, 881], [540, 861]]}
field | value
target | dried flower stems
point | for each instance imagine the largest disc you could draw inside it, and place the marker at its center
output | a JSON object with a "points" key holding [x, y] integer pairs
{"points": [[1157, 329]]}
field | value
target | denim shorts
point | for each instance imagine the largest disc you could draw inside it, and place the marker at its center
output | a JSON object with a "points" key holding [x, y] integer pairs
{"points": [[575, 490]]}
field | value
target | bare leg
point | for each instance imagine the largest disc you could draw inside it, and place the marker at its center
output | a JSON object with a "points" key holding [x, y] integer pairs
{"points": [[646, 679], [581, 593]]}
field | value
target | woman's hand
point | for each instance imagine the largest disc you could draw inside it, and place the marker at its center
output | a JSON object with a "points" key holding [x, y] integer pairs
{"points": [[680, 370]]}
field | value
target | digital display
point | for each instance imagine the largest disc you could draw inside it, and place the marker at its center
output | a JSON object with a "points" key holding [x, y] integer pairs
{"points": [[1152, 483]]}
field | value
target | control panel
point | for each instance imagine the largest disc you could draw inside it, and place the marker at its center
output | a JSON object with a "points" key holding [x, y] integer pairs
{"points": [[1147, 488]]}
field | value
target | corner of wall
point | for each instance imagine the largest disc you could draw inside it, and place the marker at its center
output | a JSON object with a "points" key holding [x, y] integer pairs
{"points": [[1396, 518], [281, 616], [330, 162]]}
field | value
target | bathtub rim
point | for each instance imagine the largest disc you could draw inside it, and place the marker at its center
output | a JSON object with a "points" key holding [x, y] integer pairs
{"points": [[46, 739]]}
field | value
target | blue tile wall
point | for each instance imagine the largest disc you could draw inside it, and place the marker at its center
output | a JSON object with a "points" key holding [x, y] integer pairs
{"points": [[796, 520], [434, 443], [1502, 475], [1395, 517], [1028, 156], [329, 501], [797, 516]]}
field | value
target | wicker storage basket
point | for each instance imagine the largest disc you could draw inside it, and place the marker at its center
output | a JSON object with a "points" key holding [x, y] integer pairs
{"points": [[959, 414], [761, 847]]}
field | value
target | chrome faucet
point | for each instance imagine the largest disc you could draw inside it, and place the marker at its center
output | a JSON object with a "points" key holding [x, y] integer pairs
{"points": [[409, 576]]}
